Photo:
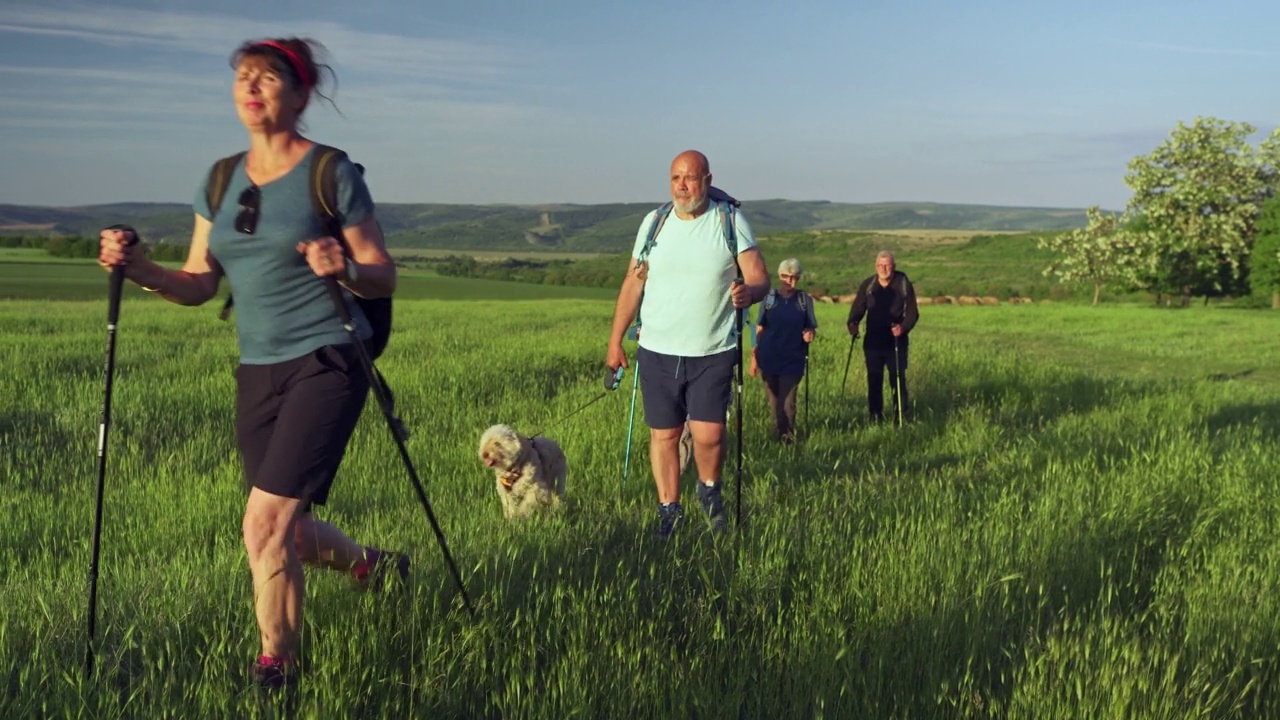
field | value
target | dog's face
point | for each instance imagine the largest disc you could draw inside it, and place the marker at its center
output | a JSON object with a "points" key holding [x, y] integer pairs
{"points": [[499, 446]]}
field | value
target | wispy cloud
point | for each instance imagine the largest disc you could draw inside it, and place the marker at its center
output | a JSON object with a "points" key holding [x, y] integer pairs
{"points": [[442, 60], [404, 85], [1193, 50], [149, 78]]}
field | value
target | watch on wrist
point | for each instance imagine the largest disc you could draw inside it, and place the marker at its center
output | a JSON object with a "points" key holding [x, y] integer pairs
{"points": [[352, 273]]}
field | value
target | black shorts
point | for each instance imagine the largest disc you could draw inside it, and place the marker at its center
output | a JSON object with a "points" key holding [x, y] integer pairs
{"points": [[679, 388], [294, 418]]}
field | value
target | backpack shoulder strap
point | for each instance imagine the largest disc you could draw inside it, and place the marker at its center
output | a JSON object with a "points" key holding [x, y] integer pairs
{"points": [[660, 217], [730, 229], [324, 188], [215, 189], [219, 177]]}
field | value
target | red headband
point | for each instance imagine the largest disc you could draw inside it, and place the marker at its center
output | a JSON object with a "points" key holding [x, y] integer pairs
{"points": [[299, 67]]}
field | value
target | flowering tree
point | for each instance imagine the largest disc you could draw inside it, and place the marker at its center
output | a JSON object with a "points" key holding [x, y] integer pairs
{"points": [[1104, 253], [1199, 194]]}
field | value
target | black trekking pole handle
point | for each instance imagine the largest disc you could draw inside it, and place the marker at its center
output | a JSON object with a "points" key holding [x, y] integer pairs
{"points": [[115, 288], [344, 314], [115, 285]]}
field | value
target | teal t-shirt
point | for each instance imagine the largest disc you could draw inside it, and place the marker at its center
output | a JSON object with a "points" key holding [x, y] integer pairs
{"points": [[282, 308], [686, 310]]}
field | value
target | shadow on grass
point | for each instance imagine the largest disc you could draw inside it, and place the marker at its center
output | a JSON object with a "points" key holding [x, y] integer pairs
{"points": [[26, 434], [1265, 415]]}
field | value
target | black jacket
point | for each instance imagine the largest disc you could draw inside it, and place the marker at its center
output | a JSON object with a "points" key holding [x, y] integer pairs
{"points": [[883, 307]]}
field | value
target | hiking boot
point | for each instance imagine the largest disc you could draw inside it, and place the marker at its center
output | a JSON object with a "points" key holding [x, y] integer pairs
{"points": [[713, 505], [275, 673], [669, 517], [371, 573]]}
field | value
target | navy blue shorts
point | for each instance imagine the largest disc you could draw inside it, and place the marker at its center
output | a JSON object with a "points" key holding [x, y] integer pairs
{"points": [[679, 388], [294, 418]]}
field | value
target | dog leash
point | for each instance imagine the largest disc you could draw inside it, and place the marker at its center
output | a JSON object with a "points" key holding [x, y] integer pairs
{"points": [[612, 379]]}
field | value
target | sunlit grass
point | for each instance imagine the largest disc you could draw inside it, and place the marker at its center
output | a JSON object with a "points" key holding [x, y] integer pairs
{"points": [[1080, 524]]}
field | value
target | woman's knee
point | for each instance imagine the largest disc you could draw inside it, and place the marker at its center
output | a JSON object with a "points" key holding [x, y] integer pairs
{"points": [[268, 524]]}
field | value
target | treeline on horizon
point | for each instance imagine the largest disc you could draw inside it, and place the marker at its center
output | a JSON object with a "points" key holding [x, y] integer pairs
{"points": [[1003, 266], [76, 246]]}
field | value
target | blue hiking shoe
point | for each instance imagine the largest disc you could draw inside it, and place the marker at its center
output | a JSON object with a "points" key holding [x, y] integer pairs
{"points": [[669, 517], [713, 505]]}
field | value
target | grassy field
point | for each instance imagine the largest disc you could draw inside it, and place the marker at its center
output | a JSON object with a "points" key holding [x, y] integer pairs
{"points": [[413, 253], [35, 256], [939, 262], [33, 275], [1080, 524]]}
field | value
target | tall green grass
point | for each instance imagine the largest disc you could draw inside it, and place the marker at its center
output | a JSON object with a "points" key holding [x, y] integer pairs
{"points": [[25, 276], [1061, 534]]}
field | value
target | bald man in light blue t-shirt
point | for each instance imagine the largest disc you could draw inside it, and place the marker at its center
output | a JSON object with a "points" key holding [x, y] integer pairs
{"points": [[689, 346]]}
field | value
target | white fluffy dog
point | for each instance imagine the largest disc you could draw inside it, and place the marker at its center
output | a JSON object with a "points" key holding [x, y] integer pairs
{"points": [[531, 472]]}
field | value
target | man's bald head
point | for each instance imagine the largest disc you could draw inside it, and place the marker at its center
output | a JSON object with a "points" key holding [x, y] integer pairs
{"points": [[690, 180], [698, 160]]}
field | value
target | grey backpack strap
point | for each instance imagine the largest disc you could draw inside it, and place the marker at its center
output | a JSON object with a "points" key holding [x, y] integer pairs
{"points": [[659, 218]]}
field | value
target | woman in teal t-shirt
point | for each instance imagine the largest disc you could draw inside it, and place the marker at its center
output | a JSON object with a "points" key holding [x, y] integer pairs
{"points": [[300, 387]]}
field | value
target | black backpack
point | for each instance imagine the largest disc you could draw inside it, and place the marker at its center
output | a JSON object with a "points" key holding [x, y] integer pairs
{"points": [[324, 198]]}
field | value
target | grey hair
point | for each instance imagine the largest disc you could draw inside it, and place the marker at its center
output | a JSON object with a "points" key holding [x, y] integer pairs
{"points": [[790, 266], [885, 254]]}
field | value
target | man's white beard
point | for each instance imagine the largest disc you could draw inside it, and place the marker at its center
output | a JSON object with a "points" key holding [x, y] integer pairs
{"points": [[688, 206]]}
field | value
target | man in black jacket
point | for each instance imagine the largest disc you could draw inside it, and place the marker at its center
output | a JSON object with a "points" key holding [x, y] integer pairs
{"points": [[888, 299]]}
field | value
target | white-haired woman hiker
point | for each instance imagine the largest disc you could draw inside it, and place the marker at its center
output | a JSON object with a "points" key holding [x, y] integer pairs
{"points": [[783, 332]]}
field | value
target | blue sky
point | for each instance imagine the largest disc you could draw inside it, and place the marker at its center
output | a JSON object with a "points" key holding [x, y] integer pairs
{"points": [[476, 101]]}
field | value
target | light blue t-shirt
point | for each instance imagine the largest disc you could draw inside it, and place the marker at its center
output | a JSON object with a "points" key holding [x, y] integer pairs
{"points": [[282, 309], [686, 309]]}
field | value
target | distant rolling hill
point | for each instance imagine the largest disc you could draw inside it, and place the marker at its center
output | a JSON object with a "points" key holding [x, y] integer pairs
{"points": [[565, 228]]}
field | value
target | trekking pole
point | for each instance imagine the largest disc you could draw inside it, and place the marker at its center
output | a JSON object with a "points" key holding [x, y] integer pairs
{"points": [[806, 391], [385, 403], [631, 422], [738, 429], [115, 286], [847, 360], [897, 379]]}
